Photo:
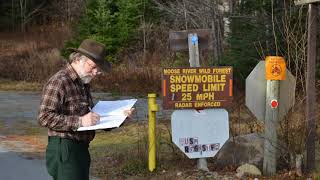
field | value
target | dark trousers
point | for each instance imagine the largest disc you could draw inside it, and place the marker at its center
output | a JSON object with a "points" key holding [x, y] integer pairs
{"points": [[67, 159]]}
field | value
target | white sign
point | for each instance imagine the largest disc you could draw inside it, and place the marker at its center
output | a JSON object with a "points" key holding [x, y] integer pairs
{"points": [[256, 85], [300, 2], [200, 134], [111, 113]]}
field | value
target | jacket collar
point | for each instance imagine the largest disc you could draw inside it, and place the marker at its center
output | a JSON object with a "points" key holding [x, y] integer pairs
{"points": [[72, 73]]}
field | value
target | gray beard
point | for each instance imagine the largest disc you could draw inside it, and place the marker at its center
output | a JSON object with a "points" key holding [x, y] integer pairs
{"points": [[85, 78]]}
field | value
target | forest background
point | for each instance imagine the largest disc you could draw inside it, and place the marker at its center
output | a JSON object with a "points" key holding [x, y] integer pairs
{"points": [[35, 35], [136, 34]]}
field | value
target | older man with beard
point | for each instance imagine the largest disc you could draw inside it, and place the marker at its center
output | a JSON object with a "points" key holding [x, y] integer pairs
{"points": [[65, 106]]}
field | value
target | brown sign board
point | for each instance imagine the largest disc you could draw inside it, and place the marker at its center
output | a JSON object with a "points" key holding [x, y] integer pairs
{"points": [[179, 39], [301, 2], [197, 87]]}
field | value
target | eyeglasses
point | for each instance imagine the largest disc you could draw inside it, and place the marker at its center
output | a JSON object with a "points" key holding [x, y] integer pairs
{"points": [[94, 66]]}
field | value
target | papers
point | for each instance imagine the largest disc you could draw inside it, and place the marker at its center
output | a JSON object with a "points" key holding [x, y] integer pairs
{"points": [[111, 113]]}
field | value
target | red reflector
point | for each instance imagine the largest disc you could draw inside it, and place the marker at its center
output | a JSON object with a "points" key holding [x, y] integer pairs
{"points": [[274, 103]]}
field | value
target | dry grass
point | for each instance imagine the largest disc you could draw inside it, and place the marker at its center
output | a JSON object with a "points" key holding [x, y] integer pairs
{"points": [[32, 67], [32, 56], [125, 80], [122, 153], [8, 85], [25, 138], [126, 149]]}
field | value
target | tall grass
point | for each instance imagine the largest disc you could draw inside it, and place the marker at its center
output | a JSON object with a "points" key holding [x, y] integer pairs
{"points": [[126, 79], [123, 153], [35, 56], [32, 56], [34, 67]]}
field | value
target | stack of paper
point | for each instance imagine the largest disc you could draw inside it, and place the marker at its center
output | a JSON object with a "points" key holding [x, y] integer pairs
{"points": [[111, 113]]}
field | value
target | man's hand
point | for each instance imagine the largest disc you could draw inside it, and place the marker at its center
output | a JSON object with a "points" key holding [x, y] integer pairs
{"points": [[90, 119], [128, 112]]}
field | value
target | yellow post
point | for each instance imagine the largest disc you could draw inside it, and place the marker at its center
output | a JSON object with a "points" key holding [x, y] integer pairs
{"points": [[153, 108]]}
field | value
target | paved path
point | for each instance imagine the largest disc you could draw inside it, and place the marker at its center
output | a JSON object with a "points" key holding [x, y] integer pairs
{"points": [[15, 167], [23, 106]]}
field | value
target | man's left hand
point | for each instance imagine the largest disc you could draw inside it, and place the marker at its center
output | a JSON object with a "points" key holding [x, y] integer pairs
{"points": [[129, 112]]}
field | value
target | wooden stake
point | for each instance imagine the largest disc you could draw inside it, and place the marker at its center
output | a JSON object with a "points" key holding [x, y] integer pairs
{"points": [[270, 131]]}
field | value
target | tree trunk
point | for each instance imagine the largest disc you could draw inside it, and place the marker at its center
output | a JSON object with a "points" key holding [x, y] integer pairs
{"points": [[231, 6], [215, 47], [214, 36]]}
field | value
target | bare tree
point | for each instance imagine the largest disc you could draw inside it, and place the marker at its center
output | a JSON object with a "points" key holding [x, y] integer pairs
{"points": [[290, 42], [198, 14], [23, 9], [28, 13], [68, 10]]}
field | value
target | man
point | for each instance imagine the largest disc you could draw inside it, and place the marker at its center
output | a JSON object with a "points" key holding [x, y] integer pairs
{"points": [[65, 106]]}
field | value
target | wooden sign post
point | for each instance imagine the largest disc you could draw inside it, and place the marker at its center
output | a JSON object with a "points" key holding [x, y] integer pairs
{"points": [[177, 42], [270, 93], [310, 83], [188, 94], [194, 62], [270, 131], [275, 71], [301, 2]]}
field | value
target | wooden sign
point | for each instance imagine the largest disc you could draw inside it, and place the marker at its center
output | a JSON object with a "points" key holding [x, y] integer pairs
{"points": [[275, 68], [301, 2], [179, 39], [197, 88]]}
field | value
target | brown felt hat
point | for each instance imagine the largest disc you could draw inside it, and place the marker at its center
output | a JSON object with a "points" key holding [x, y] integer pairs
{"points": [[95, 51]]}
